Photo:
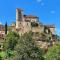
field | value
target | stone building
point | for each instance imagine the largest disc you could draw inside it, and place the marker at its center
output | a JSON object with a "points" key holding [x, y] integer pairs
{"points": [[26, 23]]}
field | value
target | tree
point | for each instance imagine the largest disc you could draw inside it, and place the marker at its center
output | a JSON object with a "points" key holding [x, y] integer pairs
{"points": [[1, 58], [27, 49], [6, 28], [11, 40], [53, 53]]}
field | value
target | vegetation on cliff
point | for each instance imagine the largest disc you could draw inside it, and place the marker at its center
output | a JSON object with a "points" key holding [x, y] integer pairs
{"points": [[25, 48]]}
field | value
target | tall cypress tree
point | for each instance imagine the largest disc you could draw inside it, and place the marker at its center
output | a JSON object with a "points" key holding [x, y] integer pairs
{"points": [[6, 28]]}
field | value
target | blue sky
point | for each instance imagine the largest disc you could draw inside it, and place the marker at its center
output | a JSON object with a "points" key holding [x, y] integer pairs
{"points": [[47, 10]]}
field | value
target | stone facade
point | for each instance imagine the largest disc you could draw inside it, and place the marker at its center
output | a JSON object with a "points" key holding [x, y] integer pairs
{"points": [[23, 23], [51, 27]]}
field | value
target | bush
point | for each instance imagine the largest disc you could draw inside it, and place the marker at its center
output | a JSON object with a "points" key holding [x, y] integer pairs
{"points": [[53, 53], [1, 57], [27, 49], [11, 40]]}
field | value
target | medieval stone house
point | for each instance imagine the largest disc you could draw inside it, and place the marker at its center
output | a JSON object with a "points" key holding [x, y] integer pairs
{"points": [[26, 23]]}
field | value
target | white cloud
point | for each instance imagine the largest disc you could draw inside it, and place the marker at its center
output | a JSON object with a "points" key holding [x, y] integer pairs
{"points": [[52, 11], [41, 2]]}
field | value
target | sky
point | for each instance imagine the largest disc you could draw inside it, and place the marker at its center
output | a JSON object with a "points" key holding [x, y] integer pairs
{"points": [[48, 11]]}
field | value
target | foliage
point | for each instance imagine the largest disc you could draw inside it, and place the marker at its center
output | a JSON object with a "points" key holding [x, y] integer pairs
{"points": [[46, 37], [27, 49], [11, 40], [2, 55], [6, 55], [53, 53], [10, 53], [6, 28], [1, 58]]}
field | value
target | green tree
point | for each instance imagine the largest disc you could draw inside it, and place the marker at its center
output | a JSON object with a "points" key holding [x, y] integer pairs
{"points": [[27, 49], [1, 58], [53, 53], [6, 28], [11, 40]]}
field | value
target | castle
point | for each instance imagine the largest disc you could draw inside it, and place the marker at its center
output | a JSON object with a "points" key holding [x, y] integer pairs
{"points": [[26, 23]]}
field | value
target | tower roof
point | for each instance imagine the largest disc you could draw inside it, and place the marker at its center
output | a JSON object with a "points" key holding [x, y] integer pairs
{"points": [[19, 9]]}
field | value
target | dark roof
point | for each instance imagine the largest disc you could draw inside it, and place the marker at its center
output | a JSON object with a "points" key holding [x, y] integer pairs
{"points": [[30, 16], [50, 26], [19, 9]]}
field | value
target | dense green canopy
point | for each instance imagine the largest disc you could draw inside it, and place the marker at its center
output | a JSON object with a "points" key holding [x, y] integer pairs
{"points": [[11, 40], [27, 49]]}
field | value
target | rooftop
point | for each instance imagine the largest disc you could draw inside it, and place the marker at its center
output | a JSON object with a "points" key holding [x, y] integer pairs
{"points": [[30, 16], [19, 9], [50, 26]]}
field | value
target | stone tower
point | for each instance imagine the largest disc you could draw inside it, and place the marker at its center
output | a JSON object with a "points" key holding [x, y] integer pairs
{"points": [[19, 17]]}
